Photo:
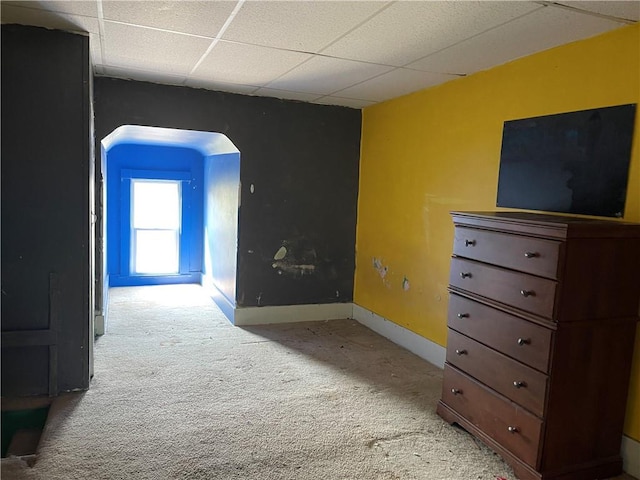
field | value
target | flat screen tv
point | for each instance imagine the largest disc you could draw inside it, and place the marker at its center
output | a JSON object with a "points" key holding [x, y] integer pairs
{"points": [[576, 162]]}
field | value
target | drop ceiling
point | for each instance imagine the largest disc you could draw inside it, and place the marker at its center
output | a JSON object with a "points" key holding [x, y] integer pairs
{"points": [[351, 53]]}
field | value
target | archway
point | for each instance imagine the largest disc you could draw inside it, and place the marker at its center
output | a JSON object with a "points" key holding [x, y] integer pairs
{"points": [[206, 168]]}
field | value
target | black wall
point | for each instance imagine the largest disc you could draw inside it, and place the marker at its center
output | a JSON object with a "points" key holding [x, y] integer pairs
{"points": [[302, 161], [45, 211]]}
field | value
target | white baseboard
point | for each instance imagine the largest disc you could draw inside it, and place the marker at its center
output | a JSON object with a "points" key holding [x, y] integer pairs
{"points": [[292, 313], [98, 324], [220, 299], [424, 348], [630, 451]]}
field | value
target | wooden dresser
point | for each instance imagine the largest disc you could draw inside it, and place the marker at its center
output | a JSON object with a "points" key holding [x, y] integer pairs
{"points": [[542, 318]]}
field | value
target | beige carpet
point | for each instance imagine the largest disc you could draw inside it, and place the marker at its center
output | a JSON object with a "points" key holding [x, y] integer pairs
{"points": [[179, 393]]}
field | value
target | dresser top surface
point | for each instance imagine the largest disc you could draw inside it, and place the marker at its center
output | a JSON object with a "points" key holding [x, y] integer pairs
{"points": [[548, 225]]}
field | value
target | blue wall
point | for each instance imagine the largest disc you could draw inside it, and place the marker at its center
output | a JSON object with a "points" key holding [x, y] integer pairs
{"points": [[222, 194], [122, 161]]}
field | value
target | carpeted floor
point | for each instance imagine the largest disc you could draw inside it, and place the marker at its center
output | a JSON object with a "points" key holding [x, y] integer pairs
{"points": [[179, 393]]}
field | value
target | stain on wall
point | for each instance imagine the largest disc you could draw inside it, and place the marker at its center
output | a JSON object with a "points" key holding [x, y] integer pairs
{"points": [[296, 259], [382, 271]]}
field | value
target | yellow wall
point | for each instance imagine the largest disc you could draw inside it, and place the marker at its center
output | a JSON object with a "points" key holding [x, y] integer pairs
{"points": [[438, 150]]}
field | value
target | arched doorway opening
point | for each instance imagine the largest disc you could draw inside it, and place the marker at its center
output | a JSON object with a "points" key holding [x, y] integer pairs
{"points": [[170, 201]]}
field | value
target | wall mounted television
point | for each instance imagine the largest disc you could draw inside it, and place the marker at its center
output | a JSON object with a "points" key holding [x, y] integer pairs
{"points": [[575, 162]]}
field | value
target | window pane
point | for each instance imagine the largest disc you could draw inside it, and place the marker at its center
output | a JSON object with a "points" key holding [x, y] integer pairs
{"points": [[156, 204], [156, 251]]}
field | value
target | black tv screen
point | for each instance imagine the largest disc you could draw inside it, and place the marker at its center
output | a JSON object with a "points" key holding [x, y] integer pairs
{"points": [[576, 162]]}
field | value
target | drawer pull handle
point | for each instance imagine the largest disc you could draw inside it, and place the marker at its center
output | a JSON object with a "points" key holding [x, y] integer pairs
{"points": [[465, 274], [523, 341], [531, 254], [461, 352], [513, 429], [463, 315], [519, 384], [469, 243], [456, 391], [527, 293]]}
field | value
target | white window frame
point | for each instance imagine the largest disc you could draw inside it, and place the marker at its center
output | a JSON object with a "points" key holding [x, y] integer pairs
{"points": [[134, 230]]}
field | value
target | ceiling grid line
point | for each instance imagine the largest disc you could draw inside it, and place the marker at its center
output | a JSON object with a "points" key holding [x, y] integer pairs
{"points": [[585, 12], [101, 30], [320, 54], [218, 35], [467, 39], [357, 26], [157, 29]]}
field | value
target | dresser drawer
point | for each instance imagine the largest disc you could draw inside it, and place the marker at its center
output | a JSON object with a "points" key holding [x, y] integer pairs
{"points": [[525, 341], [514, 428], [514, 380], [527, 254], [529, 293]]}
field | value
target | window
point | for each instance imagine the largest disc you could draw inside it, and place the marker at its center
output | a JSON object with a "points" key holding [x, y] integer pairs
{"points": [[156, 207]]}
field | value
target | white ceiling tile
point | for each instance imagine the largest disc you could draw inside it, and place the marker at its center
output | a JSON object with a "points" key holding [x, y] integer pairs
{"points": [[407, 31], [238, 63], [343, 102], [629, 10], [149, 49], [143, 76], [540, 30], [87, 8], [470, 56], [324, 75], [197, 18], [394, 84], [302, 26], [41, 18], [288, 95], [220, 86]]}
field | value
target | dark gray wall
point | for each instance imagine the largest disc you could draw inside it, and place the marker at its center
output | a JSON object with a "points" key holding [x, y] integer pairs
{"points": [[45, 210], [302, 161]]}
